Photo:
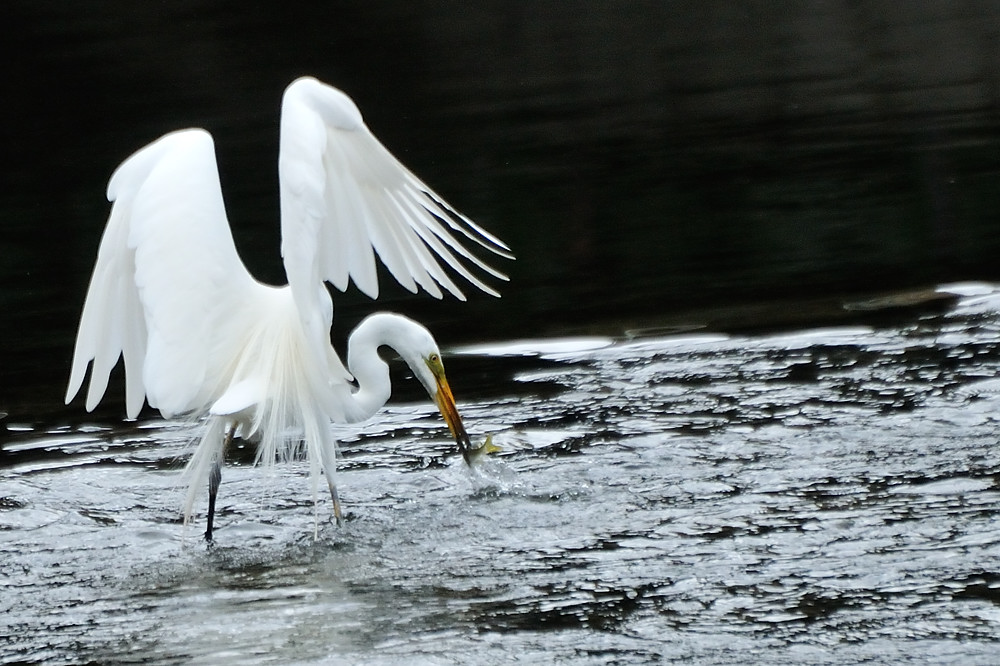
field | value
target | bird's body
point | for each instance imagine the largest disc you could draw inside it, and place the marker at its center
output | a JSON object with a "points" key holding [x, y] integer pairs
{"points": [[199, 335]]}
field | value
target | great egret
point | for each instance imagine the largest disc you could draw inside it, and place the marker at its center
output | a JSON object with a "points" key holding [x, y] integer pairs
{"points": [[200, 336]]}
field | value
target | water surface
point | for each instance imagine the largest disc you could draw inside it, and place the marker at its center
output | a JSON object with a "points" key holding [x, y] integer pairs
{"points": [[823, 495]]}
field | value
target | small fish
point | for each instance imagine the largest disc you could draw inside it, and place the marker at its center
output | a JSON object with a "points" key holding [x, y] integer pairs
{"points": [[487, 448]]}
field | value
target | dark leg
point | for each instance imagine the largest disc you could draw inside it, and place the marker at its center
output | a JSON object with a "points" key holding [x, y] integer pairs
{"points": [[328, 456], [215, 478]]}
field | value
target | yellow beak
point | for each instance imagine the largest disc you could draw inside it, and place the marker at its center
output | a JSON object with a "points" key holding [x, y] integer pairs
{"points": [[446, 403]]}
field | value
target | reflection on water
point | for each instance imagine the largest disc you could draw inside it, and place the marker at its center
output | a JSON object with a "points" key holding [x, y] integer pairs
{"points": [[818, 496]]}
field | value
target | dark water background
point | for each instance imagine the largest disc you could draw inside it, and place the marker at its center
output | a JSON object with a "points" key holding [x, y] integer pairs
{"points": [[657, 167], [641, 158]]}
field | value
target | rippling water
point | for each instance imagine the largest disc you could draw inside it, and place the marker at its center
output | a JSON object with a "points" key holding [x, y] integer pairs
{"points": [[818, 496]]}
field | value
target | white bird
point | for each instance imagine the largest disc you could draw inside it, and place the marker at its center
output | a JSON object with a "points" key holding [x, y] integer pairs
{"points": [[200, 336]]}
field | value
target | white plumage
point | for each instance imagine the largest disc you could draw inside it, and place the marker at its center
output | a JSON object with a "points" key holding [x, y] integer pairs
{"points": [[198, 334]]}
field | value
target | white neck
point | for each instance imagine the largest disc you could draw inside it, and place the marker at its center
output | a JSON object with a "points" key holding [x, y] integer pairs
{"points": [[410, 340], [368, 368]]}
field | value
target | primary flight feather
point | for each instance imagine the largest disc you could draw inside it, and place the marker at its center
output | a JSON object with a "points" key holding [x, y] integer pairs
{"points": [[199, 335]]}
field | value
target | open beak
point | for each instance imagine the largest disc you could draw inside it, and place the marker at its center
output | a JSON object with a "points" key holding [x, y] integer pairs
{"points": [[446, 403]]}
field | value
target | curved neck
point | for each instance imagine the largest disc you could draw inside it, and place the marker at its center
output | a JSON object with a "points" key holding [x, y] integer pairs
{"points": [[406, 337], [368, 368]]}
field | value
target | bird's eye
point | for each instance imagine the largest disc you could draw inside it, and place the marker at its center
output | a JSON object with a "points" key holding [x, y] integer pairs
{"points": [[434, 358]]}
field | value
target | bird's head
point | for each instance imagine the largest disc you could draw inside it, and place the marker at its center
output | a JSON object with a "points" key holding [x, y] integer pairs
{"points": [[436, 383], [417, 347]]}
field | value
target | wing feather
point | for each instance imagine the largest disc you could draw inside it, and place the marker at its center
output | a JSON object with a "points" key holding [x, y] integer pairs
{"points": [[169, 292], [345, 198], [414, 254], [108, 328], [432, 237]]}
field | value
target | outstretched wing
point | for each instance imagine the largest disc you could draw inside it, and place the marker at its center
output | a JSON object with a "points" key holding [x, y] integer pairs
{"points": [[345, 198], [169, 292]]}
